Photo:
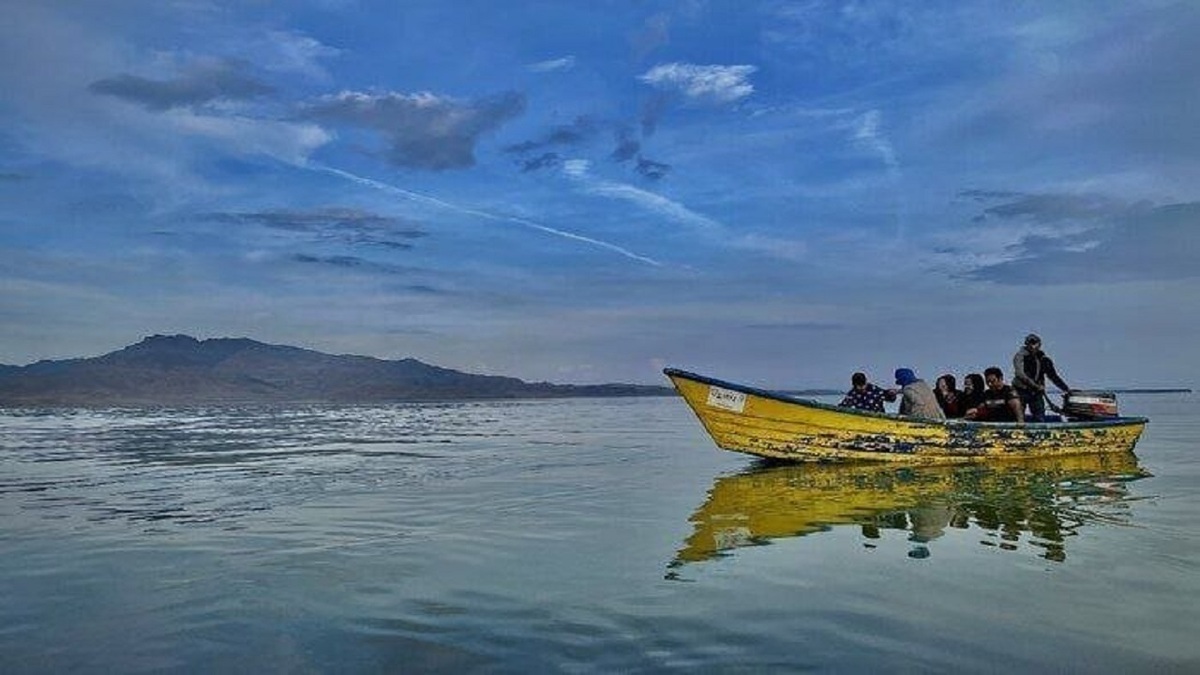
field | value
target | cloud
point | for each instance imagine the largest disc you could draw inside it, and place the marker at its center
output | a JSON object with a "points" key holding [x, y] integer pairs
{"points": [[658, 204], [1051, 208], [423, 130], [713, 84], [576, 167], [574, 133], [542, 161], [627, 146], [352, 227], [289, 142], [985, 195], [652, 111], [553, 65], [203, 82], [855, 36], [702, 225], [798, 326], [1132, 242], [868, 132], [654, 33], [1112, 88], [579, 133], [293, 52], [569, 165], [350, 262], [652, 169]]}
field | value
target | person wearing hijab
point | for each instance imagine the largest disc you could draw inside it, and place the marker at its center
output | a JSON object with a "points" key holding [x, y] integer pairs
{"points": [[916, 398]]}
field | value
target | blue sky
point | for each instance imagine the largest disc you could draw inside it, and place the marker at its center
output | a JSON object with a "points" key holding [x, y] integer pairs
{"points": [[779, 193]]}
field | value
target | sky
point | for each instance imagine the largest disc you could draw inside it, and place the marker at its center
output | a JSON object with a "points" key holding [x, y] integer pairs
{"points": [[774, 193]]}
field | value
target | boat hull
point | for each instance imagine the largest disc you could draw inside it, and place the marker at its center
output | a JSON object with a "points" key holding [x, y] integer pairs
{"points": [[778, 426]]}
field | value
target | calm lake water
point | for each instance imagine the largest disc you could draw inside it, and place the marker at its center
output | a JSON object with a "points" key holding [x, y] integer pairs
{"points": [[575, 536]]}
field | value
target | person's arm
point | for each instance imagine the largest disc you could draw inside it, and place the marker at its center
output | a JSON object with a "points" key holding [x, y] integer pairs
{"points": [[847, 400], [1017, 407], [1051, 373], [1019, 374]]}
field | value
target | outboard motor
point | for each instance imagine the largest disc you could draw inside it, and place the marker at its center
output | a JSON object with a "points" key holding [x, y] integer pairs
{"points": [[1090, 405]]}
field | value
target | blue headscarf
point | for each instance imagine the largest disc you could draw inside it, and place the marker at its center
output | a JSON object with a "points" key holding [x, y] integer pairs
{"points": [[905, 376]]}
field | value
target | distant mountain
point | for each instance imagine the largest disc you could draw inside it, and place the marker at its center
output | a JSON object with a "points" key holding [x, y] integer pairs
{"points": [[181, 370]]}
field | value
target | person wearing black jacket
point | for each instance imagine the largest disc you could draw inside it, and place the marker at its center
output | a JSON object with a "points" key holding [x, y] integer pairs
{"points": [[1031, 367]]}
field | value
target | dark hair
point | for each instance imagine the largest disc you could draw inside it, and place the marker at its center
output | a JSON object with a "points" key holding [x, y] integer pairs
{"points": [[994, 371], [858, 379], [976, 381], [950, 381]]}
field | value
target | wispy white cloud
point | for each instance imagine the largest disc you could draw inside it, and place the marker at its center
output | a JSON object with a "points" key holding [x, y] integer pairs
{"points": [[486, 215], [289, 142], [715, 84], [552, 65], [868, 132], [576, 167], [656, 203], [294, 52], [706, 227]]}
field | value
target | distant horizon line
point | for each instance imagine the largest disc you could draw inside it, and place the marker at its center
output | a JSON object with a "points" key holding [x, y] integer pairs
{"points": [[808, 391]]}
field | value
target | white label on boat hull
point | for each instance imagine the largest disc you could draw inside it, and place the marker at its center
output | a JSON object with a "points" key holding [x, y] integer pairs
{"points": [[726, 398]]}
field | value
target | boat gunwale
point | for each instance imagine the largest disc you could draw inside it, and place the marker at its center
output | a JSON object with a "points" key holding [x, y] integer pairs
{"points": [[893, 417]]}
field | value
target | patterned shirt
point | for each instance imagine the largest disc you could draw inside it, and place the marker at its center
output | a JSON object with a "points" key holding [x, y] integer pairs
{"points": [[869, 397]]}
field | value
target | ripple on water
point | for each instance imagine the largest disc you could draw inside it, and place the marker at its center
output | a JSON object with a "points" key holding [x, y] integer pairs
{"points": [[535, 536]]}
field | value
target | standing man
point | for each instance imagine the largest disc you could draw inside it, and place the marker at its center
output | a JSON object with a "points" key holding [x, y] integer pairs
{"points": [[1031, 367]]}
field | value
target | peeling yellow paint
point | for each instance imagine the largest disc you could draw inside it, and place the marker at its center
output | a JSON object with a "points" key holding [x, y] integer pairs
{"points": [[782, 427]]}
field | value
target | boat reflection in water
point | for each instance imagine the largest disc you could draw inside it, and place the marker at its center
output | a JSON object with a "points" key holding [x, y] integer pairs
{"points": [[1042, 501]]}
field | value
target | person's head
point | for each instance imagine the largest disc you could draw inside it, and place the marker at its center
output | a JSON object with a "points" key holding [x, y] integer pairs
{"points": [[946, 383], [1033, 343], [994, 377], [973, 383], [859, 380], [905, 376]]}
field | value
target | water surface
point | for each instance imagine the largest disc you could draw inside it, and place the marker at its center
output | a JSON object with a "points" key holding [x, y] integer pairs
{"points": [[574, 536]]}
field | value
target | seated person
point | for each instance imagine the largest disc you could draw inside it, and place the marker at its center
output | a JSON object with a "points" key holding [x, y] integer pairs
{"points": [[865, 396], [1001, 403], [916, 398], [948, 396], [972, 392]]}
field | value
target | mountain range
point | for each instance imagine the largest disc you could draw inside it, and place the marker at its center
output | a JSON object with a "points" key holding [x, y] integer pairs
{"points": [[182, 370]]}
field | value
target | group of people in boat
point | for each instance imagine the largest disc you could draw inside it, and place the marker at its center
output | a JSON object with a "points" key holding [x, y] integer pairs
{"points": [[984, 397]]}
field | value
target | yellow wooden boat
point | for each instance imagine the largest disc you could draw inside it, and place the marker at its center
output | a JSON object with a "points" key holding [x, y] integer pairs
{"points": [[1045, 500], [779, 426]]}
